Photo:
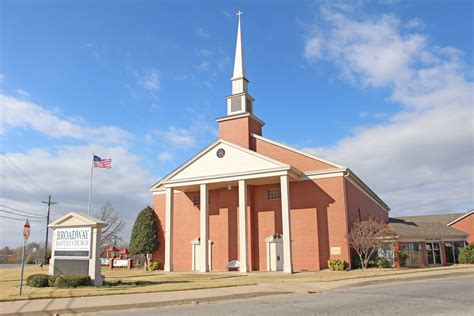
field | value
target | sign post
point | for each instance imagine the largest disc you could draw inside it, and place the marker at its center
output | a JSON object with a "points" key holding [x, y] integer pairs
{"points": [[26, 235]]}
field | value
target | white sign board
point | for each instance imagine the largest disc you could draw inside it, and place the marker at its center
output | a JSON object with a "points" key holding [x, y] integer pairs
{"points": [[120, 263], [73, 239]]}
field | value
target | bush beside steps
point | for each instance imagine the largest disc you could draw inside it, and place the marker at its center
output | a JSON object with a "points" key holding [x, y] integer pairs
{"points": [[336, 264], [58, 281]]}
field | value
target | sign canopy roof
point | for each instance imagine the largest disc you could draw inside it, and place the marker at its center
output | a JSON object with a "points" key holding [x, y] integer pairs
{"points": [[77, 219]]}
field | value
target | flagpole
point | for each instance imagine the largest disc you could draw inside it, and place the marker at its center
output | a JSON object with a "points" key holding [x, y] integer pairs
{"points": [[90, 187]]}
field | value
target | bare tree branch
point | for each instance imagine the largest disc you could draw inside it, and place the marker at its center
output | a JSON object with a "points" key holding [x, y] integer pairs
{"points": [[111, 234], [367, 237]]}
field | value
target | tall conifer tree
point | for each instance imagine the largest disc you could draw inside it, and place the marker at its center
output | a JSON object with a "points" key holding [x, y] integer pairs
{"points": [[144, 237]]}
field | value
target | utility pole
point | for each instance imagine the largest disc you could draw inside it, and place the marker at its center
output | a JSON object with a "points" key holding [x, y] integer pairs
{"points": [[47, 223]]}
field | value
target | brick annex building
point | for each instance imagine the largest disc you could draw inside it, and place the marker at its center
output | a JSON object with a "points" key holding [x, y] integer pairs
{"points": [[255, 203]]}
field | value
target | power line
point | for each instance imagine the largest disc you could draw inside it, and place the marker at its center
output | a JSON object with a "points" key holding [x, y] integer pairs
{"points": [[18, 184], [24, 174], [15, 209], [21, 219], [26, 216]]}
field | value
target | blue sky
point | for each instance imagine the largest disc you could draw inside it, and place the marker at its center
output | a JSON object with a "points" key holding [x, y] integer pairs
{"points": [[384, 87]]}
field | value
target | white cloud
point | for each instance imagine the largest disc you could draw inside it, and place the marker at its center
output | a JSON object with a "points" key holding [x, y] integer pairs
{"points": [[313, 48], [180, 137], [202, 33], [203, 66], [2, 78], [420, 161], [205, 52], [415, 23], [165, 156], [64, 172], [18, 113], [22, 92], [151, 80]]}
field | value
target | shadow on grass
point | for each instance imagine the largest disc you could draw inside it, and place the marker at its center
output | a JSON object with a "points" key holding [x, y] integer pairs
{"points": [[228, 277], [112, 284], [130, 276]]}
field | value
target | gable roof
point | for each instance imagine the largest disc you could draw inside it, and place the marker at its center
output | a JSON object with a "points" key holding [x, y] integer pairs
{"points": [[461, 217], [407, 228], [444, 219], [78, 219], [314, 157], [205, 164]]}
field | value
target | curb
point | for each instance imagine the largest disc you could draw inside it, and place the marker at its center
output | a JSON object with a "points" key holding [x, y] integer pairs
{"points": [[401, 280], [93, 309]]}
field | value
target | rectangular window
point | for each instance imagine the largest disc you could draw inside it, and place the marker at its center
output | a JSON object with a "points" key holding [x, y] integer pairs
{"points": [[274, 194], [196, 200]]}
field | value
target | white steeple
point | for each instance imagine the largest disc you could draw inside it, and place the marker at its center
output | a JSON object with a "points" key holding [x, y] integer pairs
{"points": [[239, 65], [239, 101]]}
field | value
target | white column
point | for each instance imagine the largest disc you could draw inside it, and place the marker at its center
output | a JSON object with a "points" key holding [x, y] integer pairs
{"points": [[285, 215], [169, 228], [204, 229], [243, 226]]}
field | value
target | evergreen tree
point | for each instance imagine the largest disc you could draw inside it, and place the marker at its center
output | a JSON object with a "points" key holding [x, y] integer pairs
{"points": [[144, 237]]}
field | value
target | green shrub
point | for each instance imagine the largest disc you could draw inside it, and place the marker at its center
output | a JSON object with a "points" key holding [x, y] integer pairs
{"points": [[153, 265], [467, 254], [52, 279], [381, 263], [336, 264], [37, 280], [71, 281]]}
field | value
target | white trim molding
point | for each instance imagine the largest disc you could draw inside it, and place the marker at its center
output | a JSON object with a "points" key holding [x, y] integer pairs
{"points": [[359, 184], [461, 217]]}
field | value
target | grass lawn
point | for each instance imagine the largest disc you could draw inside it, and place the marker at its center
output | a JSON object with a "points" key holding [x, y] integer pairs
{"points": [[159, 281]]}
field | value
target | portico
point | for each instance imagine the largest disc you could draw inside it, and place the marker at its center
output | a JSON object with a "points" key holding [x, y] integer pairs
{"points": [[259, 171]]}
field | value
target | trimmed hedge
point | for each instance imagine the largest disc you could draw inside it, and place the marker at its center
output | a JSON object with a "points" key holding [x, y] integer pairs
{"points": [[38, 280], [467, 254], [71, 281], [52, 279], [59, 281], [336, 264]]}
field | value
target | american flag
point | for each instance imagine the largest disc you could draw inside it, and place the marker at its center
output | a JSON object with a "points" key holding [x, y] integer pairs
{"points": [[102, 162]]}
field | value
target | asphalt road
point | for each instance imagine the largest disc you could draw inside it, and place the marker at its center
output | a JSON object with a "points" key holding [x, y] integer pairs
{"points": [[454, 296]]}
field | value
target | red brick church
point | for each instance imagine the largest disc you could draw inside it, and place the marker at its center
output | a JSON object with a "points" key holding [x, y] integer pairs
{"points": [[251, 203]]}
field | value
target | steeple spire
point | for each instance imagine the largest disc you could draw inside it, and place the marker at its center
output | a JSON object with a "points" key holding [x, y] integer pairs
{"points": [[240, 123], [239, 101], [239, 65]]}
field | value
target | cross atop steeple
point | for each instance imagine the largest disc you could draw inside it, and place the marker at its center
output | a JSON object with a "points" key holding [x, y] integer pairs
{"points": [[239, 65]]}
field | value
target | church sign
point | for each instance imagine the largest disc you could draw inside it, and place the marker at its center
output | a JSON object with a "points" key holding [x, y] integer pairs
{"points": [[73, 241], [76, 246]]}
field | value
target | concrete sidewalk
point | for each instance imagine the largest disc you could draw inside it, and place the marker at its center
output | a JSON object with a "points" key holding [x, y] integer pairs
{"points": [[144, 300]]}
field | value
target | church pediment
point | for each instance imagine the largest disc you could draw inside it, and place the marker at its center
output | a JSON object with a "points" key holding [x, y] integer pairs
{"points": [[220, 159]]}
